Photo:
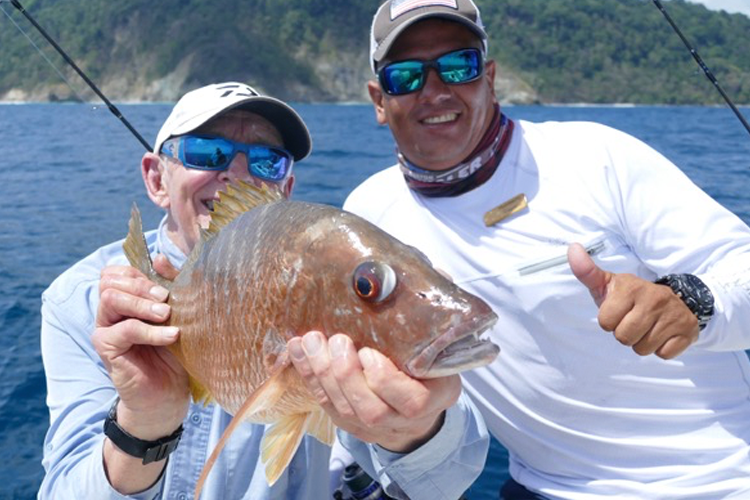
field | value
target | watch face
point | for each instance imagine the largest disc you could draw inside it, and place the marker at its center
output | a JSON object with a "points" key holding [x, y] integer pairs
{"points": [[699, 292], [694, 293]]}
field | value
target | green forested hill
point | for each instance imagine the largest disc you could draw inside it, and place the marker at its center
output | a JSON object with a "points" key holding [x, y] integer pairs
{"points": [[316, 50]]}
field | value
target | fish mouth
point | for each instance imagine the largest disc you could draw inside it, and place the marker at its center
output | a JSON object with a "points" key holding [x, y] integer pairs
{"points": [[457, 350]]}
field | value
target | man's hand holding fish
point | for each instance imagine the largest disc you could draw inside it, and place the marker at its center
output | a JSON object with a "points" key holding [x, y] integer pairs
{"points": [[151, 384], [368, 396]]}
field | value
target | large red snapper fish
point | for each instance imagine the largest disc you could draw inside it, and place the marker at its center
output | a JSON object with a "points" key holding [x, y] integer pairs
{"points": [[268, 269]]}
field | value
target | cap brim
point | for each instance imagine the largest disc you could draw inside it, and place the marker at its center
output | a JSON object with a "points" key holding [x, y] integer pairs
{"points": [[293, 130]]}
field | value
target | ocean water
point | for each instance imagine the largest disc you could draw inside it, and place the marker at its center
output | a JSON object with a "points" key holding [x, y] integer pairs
{"points": [[70, 172]]}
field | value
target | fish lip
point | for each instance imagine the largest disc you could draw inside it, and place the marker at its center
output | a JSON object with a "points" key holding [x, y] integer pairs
{"points": [[439, 360]]}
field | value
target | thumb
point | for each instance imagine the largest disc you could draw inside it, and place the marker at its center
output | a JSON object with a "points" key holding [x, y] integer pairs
{"points": [[587, 272], [165, 268]]}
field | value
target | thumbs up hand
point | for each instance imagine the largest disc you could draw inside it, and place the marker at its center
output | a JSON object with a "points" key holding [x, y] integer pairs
{"points": [[648, 317]]}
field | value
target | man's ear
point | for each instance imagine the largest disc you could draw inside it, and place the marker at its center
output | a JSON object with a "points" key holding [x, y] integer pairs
{"points": [[153, 173], [378, 100], [288, 186], [489, 74]]}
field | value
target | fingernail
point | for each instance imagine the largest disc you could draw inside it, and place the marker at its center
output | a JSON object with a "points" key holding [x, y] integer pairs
{"points": [[366, 358], [160, 309], [159, 292], [295, 350], [170, 332], [312, 343], [338, 347]]}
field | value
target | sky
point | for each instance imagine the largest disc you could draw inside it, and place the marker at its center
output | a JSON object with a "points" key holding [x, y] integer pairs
{"points": [[731, 6]]}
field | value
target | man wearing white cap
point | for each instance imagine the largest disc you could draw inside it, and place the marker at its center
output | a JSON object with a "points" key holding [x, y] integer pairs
{"points": [[122, 424], [538, 218]]}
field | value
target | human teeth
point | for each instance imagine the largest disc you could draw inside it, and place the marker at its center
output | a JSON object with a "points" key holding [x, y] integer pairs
{"points": [[441, 119]]}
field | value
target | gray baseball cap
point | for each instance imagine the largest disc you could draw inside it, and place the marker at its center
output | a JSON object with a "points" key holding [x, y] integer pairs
{"points": [[199, 106], [394, 16]]}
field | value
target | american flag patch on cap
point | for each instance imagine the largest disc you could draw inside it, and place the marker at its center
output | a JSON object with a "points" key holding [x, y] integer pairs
{"points": [[399, 7]]}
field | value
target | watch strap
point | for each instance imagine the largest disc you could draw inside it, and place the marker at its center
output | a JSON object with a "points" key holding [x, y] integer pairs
{"points": [[149, 451]]}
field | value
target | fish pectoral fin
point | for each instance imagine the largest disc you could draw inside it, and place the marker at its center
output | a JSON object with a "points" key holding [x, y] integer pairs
{"points": [[263, 398], [199, 393], [280, 442], [321, 427]]}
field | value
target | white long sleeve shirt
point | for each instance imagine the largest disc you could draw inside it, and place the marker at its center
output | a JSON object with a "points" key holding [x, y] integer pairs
{"points": [[581, 415]]}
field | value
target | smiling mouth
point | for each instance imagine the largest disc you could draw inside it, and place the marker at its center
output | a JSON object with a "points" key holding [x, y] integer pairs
{"points": [[436, 120]]}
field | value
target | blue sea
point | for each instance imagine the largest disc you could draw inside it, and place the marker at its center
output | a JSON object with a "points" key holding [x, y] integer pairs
{"points": [[70, 172]]}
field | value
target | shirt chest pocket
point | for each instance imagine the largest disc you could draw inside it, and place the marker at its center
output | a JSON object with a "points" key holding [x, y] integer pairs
{"points": [[544, 284]]}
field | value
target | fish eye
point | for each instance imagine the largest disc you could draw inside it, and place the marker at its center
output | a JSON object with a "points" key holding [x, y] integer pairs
{"points": [[373, 281]]}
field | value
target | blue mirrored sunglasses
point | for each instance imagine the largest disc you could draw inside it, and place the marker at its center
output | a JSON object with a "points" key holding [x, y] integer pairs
{"points": [[404, 77], [216, 153]]}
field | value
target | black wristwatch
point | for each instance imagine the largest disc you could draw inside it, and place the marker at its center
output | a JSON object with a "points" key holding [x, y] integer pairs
{"points": [[694, 293], [149, 451]]}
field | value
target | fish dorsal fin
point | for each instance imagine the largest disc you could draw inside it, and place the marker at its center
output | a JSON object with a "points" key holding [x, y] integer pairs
{"points": [[280, 442], [136, 249], [261, 399], [238, 199]]}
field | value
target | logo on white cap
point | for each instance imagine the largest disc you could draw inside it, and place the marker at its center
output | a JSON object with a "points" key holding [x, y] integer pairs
{"points": [[237, 90], [399, 7]]}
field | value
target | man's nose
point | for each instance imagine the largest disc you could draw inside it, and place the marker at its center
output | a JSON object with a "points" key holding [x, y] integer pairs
{"points": [[237, 169], [434, 87]]}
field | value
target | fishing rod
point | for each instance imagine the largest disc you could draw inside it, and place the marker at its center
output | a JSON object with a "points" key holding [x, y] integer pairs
{"points": [[112, 108], [702, 65]]}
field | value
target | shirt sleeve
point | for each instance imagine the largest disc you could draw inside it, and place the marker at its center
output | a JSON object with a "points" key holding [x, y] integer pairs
{"points": [[441, 469], [79, 394], [673, 226]]}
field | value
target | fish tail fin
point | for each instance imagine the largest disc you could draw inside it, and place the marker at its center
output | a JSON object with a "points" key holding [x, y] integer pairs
{"points": [[281, 442], [261, 399], [136, 249]]}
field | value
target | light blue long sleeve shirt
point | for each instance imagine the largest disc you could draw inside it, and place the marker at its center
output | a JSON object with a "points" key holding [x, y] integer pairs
{"points": [[80, 394]]}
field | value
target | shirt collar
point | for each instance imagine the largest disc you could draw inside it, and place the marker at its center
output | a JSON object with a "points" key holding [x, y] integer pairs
{"points": [[167, 247]]}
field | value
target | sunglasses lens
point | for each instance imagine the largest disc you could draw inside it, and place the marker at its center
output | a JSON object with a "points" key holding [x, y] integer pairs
{"points": [[402, 77], [207, 153], [460, 66], [269, 163], [215, 153]]}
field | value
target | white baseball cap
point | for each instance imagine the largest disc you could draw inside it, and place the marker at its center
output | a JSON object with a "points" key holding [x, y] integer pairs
{"points": [[201, 105]]}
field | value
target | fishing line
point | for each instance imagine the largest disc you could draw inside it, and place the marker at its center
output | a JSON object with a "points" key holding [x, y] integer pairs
{"points": [[59, 73], [112, 108], [702, 65]]}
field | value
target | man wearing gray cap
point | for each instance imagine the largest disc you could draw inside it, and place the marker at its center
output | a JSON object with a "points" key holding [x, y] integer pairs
{"points": [[539, 218], [122, 423]]}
